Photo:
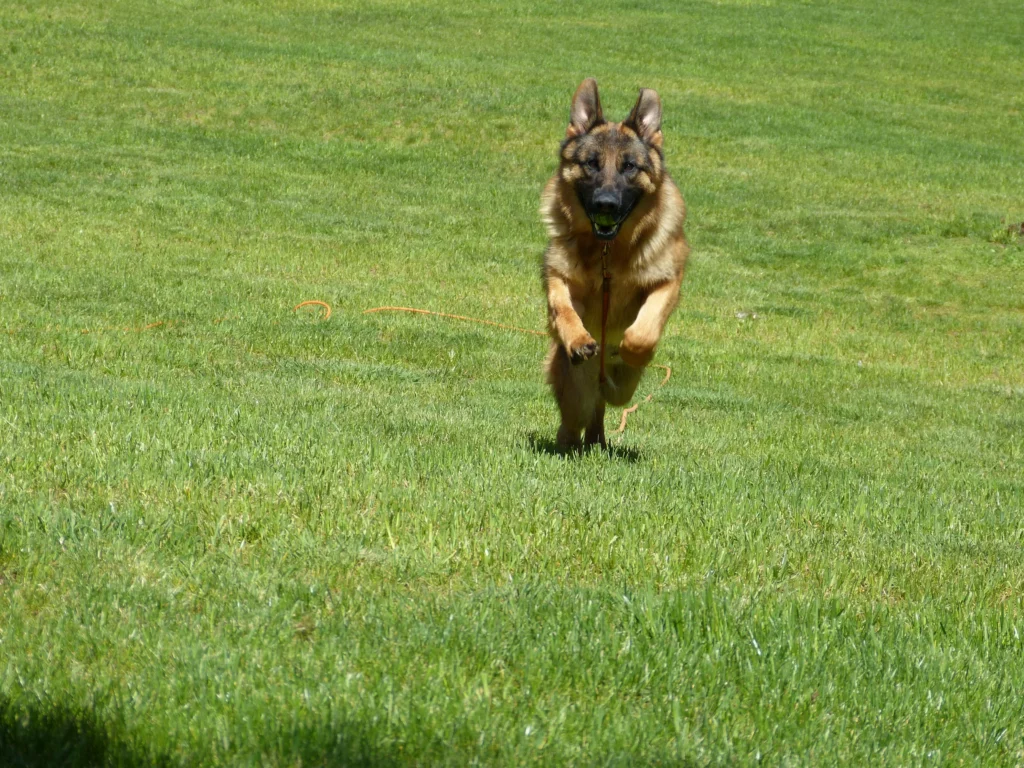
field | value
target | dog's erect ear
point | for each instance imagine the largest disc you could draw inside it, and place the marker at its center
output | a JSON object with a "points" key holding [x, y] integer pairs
{"points": [[645, 118], [586, 109]]}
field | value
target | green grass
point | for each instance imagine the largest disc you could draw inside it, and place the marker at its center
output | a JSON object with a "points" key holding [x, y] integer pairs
{"points": [[249, 536]]}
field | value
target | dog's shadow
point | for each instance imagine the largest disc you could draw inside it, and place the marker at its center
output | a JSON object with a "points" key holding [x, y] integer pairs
{"points": [[540, 444]]}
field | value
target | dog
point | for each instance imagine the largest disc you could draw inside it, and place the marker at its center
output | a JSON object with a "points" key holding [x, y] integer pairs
{"points": [[611, 191]]}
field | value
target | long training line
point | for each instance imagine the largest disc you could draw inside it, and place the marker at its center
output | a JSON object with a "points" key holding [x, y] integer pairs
{"points": [[416, 311], [632, 408], [532, 332], [445, 314]]}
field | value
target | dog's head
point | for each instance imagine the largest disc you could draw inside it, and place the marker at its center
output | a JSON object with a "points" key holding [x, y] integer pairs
{"points": [[611, 166]]}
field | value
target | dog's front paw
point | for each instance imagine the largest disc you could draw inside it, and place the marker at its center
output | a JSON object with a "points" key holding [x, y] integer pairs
{"points": [[636, 350], [582, 348]]}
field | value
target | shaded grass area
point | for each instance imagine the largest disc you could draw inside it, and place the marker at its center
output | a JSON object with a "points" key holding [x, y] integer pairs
{"points": [[49, 735], [52, 735], [247, 536]]}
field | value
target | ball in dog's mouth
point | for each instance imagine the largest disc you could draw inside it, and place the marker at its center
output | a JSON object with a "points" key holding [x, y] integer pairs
{"points": [[605, 225]]}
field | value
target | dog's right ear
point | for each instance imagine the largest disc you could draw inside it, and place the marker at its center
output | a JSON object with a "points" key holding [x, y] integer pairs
{"points": [[586, 109]]}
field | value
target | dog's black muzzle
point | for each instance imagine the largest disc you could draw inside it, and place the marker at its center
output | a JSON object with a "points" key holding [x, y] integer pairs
{"points": [[607, 211]]}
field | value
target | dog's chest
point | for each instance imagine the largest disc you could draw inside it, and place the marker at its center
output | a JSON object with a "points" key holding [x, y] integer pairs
{"points": [[625, 298]]}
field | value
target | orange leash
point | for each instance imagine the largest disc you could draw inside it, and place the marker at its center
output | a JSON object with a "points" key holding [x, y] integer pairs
{"points": [[604, 318], [126, 330], [327, 316], [314, 302], [606, 295], [451, 317], [632, 408]]}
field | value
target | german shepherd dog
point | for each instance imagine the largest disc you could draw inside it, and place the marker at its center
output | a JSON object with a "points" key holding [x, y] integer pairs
{"points": [[611, 190]]}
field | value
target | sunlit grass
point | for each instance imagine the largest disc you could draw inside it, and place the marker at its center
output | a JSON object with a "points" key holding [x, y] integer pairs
{"points": [[247, 535]]}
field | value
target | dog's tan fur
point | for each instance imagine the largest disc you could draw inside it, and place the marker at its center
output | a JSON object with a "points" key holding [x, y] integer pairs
{"points": [[646, 259]]}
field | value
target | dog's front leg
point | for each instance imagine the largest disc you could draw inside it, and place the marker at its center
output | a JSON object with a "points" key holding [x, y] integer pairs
{"points": [[565, 321], [640, 339]]}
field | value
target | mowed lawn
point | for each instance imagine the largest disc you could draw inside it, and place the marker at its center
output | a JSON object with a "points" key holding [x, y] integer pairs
{"points": [[236, 534]]}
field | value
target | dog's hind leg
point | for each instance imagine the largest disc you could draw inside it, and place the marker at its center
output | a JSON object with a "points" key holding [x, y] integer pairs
{"points": [[576, 390], [594, 434], [620, 383]]}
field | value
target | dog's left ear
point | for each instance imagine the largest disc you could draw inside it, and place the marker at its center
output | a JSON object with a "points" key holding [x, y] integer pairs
{"points": [[645, 118]]}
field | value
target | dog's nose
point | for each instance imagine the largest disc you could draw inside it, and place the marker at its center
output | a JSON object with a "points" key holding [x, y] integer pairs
{"points": [[606, 201]]}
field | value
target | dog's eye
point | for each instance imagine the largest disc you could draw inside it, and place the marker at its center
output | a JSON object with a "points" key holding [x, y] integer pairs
{"points": [[593, 164], [628, 165]]}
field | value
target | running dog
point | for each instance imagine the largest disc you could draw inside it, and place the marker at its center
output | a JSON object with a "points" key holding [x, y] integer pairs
{"points": [[615, 218]]}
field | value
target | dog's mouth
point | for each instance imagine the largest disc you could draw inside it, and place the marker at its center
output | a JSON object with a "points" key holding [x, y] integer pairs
{"points": [[605, 225]]}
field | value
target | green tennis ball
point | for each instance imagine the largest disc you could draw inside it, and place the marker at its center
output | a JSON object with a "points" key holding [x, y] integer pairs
{"points": [[604, 220]]}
